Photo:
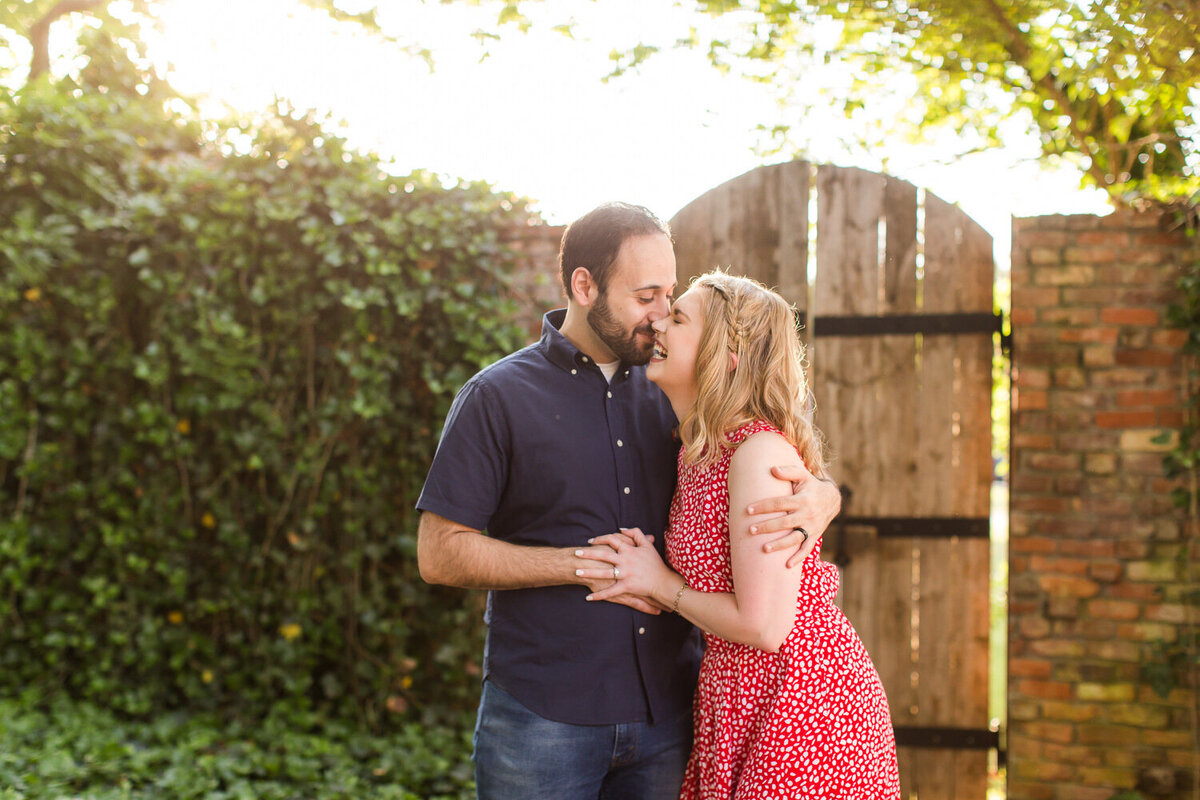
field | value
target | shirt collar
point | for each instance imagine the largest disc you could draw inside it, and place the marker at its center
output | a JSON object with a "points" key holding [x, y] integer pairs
{"points": [[559, 350]]}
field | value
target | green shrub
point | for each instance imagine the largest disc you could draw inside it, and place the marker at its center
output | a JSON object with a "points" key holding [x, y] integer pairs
{"points": [[225, 356]]}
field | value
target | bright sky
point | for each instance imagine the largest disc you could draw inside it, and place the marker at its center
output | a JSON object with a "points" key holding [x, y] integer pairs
{"points": [[535, 117]]}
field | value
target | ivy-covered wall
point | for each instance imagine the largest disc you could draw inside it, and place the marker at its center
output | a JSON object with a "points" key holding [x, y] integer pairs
{"points": [[225, 355]]}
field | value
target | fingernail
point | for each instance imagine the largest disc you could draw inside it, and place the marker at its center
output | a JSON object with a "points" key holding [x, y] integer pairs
{"points": [[589, 597], [753, 528], [578, 572], [578, 552], [591, 540], [750, 510]]}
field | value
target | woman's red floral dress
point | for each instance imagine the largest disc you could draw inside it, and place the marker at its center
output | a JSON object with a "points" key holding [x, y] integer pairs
{"points": [[810, 721]]}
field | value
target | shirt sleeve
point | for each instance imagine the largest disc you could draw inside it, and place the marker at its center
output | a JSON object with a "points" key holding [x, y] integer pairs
{"points": [[470, 469]]}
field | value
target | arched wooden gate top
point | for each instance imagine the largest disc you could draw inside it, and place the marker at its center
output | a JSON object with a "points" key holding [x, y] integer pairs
{"points": [[896, 287]]}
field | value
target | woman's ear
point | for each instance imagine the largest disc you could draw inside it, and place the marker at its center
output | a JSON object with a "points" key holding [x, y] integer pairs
{"points": [[583, 287], [733, 359]]}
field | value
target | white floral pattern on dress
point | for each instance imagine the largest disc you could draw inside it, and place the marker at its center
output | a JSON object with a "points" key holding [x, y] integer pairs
{"points": [[810, 721]]}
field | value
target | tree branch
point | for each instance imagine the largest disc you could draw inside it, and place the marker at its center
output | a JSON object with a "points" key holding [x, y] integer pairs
{"points": [[39, 32]]}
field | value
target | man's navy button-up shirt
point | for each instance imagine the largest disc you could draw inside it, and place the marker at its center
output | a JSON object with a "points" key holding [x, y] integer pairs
{"points": [[539, 449]]}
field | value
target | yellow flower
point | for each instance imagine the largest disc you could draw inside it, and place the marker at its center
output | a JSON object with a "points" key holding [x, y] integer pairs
{"points": [[206, 676], [406, 682], [184, 426], [371, 338], [33, 295], [208, 520], [175, 617], [289, 631]]}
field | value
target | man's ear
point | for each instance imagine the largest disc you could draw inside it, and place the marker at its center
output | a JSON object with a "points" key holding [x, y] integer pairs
{"points": [[584, 290], [733, 359]]}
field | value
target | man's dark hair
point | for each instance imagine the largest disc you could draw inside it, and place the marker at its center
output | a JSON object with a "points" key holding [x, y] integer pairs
{"points": [[593, 240]]}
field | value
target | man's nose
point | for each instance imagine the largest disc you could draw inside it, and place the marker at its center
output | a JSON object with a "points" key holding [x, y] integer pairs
{"points": [[662, 309], [659, 325]]}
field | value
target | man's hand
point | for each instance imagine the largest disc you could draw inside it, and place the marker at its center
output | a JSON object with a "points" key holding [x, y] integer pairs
{"points": [[811, 507]]}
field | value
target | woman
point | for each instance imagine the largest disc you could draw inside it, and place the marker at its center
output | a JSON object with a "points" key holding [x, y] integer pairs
{"points": [[788, 704]]}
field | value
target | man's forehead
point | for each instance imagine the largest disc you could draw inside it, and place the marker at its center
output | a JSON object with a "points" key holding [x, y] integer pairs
{"points": [[646, 263]]}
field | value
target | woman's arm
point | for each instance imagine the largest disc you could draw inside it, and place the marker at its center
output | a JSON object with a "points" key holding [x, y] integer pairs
{"points": [[763, 610]]}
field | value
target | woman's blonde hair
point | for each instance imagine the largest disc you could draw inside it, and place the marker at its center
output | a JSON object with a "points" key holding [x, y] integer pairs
{"points": [[743, 317]]}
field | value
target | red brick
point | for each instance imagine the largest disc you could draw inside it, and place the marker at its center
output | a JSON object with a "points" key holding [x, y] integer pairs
{"points": [[1172, 338], [1034, 627], [1106, 571], [1089, 547], [1032, 441], [1032, 378], [1133, 591], [1068, 586], [1130, 316], [1162, 238], [1028, 668], [1062, 566], [1114, 609], [1170, 419], [1029, 790], [1146, 358], [1068, 315], [1142, 397], [1121, 377], [1025, 296], [1031, 544], [1096, 335], [1050, 731], [1111, 239], [1023, 316], [1052, 505], [1029, 400], [1124, 419]]}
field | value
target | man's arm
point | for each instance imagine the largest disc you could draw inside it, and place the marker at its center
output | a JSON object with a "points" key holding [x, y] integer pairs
{"points": [[813, 505], [455, 555]]}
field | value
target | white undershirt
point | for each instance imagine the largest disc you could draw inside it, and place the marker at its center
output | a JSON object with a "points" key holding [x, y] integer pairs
{"points": [[609, 369]]}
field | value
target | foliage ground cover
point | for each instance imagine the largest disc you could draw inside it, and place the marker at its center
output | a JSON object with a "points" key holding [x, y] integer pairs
{"points": [[61, 749]]}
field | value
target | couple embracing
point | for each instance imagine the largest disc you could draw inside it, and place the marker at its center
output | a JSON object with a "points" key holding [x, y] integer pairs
{"points": [[660, 624]]}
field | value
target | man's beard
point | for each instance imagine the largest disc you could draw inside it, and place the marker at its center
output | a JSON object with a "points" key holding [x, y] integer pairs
{"points": [[624, 344]]}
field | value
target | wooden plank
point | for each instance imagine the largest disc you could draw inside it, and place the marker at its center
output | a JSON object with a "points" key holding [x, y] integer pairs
{"points": [[723, 250], [953, 589], [692, 231], [791, 257]]}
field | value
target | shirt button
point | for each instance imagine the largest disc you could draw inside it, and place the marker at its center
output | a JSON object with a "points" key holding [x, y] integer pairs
{"points": [[626, 490], [610, 394], [641, 631], [585, 359], [620, 443], [574, 371]]}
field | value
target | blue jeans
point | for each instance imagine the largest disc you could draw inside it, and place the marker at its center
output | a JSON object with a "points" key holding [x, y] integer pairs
{"points": [[522, 756]]}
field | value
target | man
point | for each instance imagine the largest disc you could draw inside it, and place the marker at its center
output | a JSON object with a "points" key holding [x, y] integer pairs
{"points": [[557, 443]]}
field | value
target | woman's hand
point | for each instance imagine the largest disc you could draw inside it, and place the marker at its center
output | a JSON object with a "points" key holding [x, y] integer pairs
{"points": [[637, 569]]}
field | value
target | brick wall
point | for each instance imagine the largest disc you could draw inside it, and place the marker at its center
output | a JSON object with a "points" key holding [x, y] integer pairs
{"points": [[1096, 578], [536, 280]]}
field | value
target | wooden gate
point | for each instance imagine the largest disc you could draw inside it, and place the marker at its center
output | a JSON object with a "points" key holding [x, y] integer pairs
{"points": [[896, 288]]}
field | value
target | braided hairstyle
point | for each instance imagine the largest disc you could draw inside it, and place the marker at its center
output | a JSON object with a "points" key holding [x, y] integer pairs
{"points": [[743, 317]]}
